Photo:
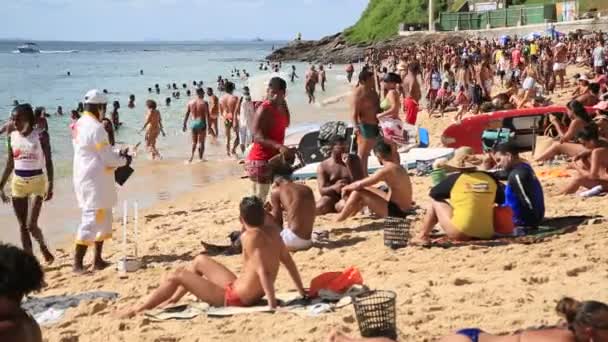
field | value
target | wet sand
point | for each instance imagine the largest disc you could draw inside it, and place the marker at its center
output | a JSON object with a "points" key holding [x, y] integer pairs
{"points": [[160, 181]]}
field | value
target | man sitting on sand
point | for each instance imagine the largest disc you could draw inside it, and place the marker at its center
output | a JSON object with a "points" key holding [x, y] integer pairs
{"points": [[470, 211], [21, 274], [298, 202], [213, 283], [523, 193], [396, 178], [333, 174]]}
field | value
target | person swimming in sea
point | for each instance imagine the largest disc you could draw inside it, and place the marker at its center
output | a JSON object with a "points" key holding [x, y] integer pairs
{"points": [[131, 101]]}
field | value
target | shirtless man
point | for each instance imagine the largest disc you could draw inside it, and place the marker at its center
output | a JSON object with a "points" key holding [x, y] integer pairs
{"points": [[298, 202], [396, 178], [214, 113], [200, 112], [485, 79], [366, 104], [213, 283], [322, 77], [561, 60], [592, 164], [312, 78], [413, 94], [228, 108], [333, 174]]}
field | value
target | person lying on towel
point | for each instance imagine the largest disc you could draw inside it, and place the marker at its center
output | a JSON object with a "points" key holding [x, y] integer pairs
{"points": [[213, 283], [585, 322], [298, 202]]}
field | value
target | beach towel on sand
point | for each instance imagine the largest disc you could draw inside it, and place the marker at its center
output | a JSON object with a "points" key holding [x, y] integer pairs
{"points": [[48, 310], [549, 228]]}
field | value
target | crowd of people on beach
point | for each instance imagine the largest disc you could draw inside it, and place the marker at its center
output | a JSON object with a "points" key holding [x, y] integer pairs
{"points": [[278, 215]]}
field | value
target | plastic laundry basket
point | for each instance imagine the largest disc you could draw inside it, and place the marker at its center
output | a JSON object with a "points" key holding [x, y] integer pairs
{"points": [[396, 232], [375, 312]]}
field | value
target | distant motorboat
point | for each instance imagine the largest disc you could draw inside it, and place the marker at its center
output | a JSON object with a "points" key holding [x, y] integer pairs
{"points": [[29, 48], [258, 39]]}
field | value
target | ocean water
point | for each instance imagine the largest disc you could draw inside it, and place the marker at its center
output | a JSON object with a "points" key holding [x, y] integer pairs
{"points": [[41, 79]]}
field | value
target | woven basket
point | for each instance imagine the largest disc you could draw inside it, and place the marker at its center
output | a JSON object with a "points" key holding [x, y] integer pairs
{"points": [[376, 313]]}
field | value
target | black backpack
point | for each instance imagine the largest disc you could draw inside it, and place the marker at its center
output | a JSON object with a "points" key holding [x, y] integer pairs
{"points": [[330, 132]]}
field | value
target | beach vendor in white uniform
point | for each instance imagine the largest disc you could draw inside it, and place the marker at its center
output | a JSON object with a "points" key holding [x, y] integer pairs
{"points": [[94, 163], [27, 158]]}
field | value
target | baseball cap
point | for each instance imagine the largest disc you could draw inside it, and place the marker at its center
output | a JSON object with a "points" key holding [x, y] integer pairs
{"points": [[583, 77], [95, 96]]}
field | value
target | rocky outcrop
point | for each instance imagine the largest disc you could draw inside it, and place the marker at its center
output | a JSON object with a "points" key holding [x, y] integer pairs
{"points": [[335, 49]]}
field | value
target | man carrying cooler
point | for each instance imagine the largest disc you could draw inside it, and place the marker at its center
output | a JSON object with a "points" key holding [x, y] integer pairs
{"points": [[94, 164]]}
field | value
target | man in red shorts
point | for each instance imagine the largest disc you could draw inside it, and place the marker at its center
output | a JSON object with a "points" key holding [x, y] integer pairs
{"points": [[213, 283]]}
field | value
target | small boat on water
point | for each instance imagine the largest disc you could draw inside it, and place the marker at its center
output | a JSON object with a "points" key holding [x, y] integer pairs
{"points": [[28, 48]]}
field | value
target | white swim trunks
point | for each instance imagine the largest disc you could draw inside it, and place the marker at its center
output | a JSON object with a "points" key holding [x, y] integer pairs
{"points": [[294, 242], [96, 226], [559, 66]]}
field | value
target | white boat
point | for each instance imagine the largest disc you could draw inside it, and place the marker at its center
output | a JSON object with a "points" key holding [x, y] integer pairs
{"points": [[28, 48]]}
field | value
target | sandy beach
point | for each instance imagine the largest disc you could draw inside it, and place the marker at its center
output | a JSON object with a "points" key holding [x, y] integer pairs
{"points": [[499, 289]]}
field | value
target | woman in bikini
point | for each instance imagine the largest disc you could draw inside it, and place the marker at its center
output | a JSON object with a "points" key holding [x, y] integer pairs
{"points": [[565, 145], [153, 127], [586, 322], [390, 106], [28, 155]]}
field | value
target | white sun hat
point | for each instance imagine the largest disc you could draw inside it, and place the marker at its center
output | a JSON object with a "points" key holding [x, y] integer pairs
{"points": [[95, 96]]}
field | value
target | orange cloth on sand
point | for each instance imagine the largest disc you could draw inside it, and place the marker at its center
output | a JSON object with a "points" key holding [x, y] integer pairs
{"points": [[338, 282], [557, 173]]}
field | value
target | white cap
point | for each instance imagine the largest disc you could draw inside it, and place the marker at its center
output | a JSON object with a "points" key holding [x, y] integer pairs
{"points": [[583, 77], [95, 96]]}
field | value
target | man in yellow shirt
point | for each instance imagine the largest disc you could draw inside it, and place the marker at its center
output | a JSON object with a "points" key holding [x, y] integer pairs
{"points": [[463, 204]]}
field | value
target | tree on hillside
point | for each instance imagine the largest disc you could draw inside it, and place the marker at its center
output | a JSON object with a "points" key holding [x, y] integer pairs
{"points": [[381, 18]]}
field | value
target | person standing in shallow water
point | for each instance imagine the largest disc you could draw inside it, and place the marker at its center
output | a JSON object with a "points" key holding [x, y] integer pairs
{"points": [[153, 127], [28, 155], [199, 109], [228, 107], [94, 185]]}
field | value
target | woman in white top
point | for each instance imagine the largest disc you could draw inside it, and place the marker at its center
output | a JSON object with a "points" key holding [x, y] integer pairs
{"points": [[245, 119], [28, 156]]}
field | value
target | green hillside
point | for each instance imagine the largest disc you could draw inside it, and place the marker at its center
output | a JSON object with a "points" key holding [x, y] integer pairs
{"points": [[381, 18]]}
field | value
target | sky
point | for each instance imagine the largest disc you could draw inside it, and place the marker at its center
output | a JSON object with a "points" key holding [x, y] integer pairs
{"points": [[136, 20]]}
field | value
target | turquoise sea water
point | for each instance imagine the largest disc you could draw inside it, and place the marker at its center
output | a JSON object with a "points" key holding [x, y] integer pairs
{"points": [[41, 79]]}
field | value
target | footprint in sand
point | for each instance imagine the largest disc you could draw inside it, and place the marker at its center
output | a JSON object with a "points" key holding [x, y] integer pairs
{"points": [[576, 271], [462, 281]]}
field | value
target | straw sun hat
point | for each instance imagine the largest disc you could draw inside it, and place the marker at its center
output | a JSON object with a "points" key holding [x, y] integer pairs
{"points": [[464, 160]]}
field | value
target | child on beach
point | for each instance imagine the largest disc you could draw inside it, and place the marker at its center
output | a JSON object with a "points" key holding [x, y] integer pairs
{"points": [[462, 101], [153, 127], [115, 118]]}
